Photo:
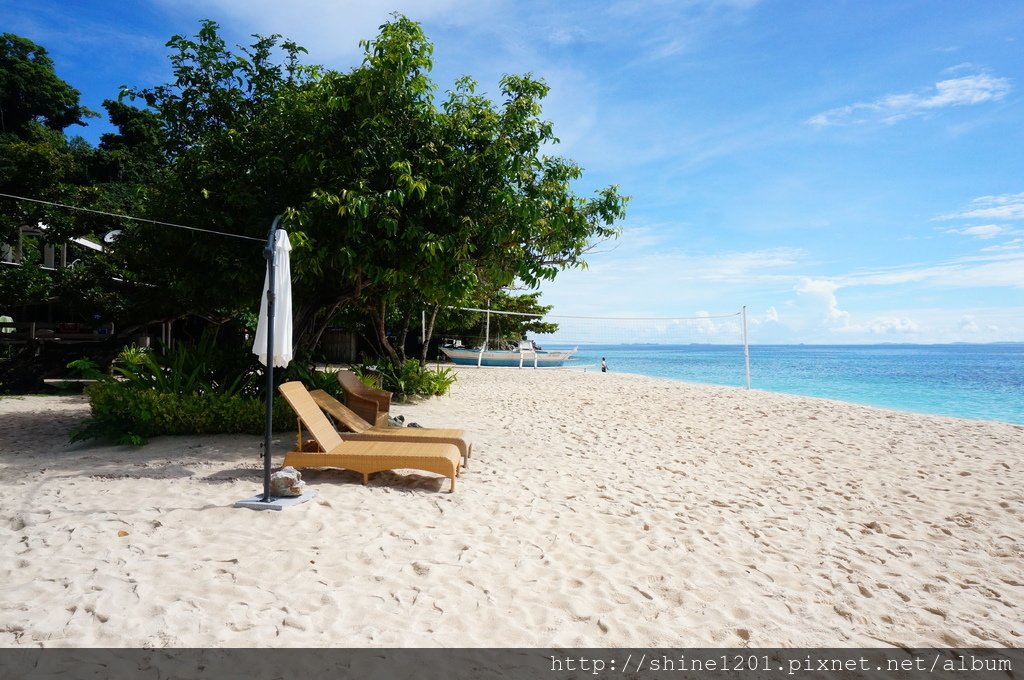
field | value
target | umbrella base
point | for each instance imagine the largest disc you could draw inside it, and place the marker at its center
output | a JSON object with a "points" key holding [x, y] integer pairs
{"points": [[275, 502]]}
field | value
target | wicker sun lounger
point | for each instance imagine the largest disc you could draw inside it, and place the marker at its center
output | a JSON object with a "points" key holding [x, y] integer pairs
{"points": [[329, 450], [360, 430], [371, 404]]}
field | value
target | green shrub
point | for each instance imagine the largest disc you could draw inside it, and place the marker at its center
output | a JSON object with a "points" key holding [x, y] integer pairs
{"points": [[127, 414], [407, 380], [442, 380], [86, 369], [193, 389], [191, 368]]}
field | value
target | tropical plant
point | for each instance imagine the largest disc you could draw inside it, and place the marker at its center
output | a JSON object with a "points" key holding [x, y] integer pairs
{"points": [[129, 415], [195, 388], [302, 369], [199, 368], [86, 369], [406, 380]]}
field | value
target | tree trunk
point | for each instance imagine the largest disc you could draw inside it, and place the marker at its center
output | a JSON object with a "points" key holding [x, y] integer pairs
{"points": [[378, 315], [428, 334], [403, 336], [319, 329]]}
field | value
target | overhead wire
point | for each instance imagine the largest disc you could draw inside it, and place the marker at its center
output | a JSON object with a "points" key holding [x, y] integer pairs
{"points": [[130, 217], [602, 318]]}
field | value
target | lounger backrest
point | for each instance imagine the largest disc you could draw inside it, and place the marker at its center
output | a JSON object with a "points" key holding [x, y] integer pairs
{"points": [[371, 404], [343, 414], [296, 394]]}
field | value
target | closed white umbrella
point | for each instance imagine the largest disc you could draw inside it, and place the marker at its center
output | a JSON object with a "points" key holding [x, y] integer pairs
{"points": [[273, 344], [274, 341], [282, 322]]}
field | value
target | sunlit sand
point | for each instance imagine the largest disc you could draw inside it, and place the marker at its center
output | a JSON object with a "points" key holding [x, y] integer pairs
{"points": [[598, 510]]}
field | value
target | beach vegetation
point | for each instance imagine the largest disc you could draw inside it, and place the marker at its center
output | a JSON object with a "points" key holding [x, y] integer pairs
{"points": [[396, 199], [526, 316], [407, 380], [39, 159], [189, 368], [394, 203], [31, 93], [195, 388], [42, 160], [128, 415]]}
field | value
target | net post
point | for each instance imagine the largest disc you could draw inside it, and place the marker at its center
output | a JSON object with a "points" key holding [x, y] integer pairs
{"points": [[487, 337], [746, 346]]}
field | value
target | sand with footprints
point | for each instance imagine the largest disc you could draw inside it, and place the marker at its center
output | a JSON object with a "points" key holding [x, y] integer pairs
{"points": [[598, 510]]}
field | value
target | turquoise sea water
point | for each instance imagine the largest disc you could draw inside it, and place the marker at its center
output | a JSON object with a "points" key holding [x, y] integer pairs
{"points": [[967, 381]]}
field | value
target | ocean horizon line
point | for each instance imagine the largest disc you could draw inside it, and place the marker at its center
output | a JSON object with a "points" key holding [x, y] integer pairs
{"points": [[996, 343]]}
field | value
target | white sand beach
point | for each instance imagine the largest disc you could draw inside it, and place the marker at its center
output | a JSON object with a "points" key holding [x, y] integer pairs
{"points": [[598, 510]]}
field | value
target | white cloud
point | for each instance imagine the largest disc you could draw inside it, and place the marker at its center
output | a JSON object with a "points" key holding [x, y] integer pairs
{"points": [[886, 325], [644, 274], [968, 324], [329, 30], [969, 327], [567, 35], [665, 29], [644, 254], [1000, 207], [985, 231], [963, 91], [816, 311], [1012, 245], [819, 296], [710, 328], [998, 269]]}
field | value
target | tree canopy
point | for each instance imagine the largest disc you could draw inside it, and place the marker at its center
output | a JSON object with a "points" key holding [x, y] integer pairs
{"points": [[31, 92], [394, 202]]}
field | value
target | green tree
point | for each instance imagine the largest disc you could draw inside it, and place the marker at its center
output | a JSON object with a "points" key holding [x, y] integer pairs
{"points": [[447, 202], [31, 92], [527, 316], [37, 160], [224, 134], [393, 204], [509, 212]]}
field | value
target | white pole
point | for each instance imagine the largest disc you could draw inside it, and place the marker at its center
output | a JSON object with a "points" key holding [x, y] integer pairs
{"points": [[746, 345], [487, 336]]}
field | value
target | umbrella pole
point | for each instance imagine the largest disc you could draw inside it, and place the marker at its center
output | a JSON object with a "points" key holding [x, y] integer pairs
{"points": [[269, 253]]}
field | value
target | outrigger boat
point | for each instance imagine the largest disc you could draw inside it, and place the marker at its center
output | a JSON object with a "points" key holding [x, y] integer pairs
{"points": [[527, 354]]}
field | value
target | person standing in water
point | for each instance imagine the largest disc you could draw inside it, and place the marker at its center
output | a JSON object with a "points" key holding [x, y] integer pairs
{"points": [[604, 365]]}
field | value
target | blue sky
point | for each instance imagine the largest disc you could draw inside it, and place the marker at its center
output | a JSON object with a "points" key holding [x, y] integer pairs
{"points": [[850, 171]]}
